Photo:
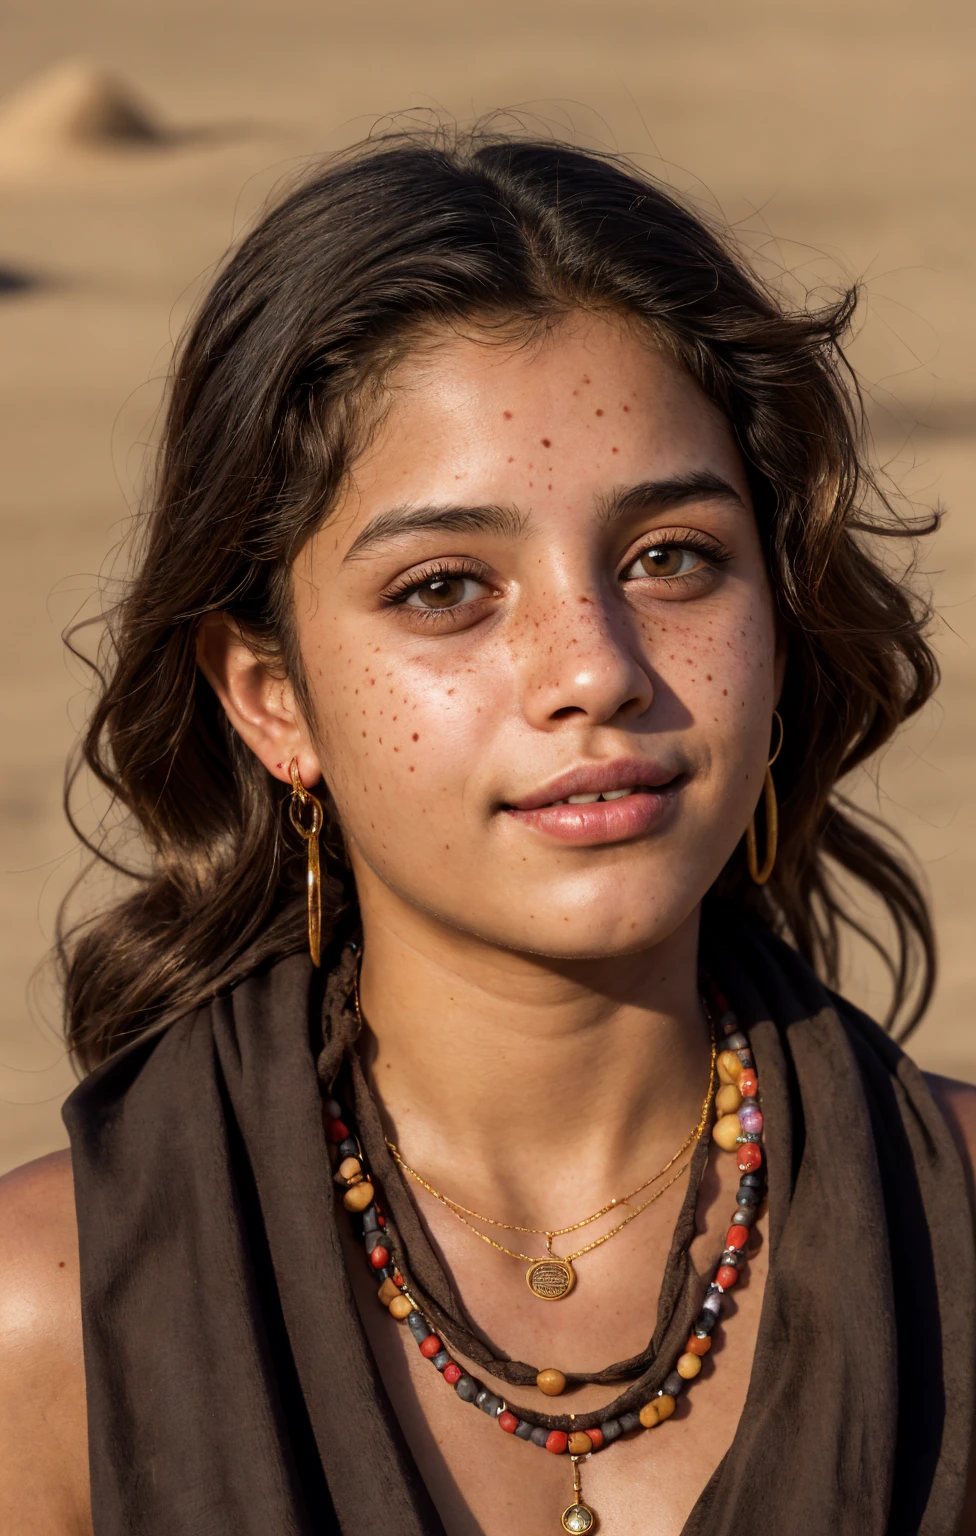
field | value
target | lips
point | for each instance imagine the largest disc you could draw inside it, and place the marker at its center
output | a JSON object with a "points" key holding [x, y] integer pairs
{"points": [[601, 803], [610, 779]]}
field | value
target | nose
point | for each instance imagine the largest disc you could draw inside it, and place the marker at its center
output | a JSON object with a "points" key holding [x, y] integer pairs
{"points": [[584, 663]]}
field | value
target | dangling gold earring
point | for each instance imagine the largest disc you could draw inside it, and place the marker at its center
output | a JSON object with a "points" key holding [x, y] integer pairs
{"points": [[302, 801], [760, 876]]}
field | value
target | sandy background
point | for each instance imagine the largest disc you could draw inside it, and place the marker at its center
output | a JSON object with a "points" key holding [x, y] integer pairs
{"points": [[838, 136]]}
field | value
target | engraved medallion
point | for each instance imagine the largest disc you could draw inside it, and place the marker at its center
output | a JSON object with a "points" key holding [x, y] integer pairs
{"points": [[577, 1519], [551, 1279]]}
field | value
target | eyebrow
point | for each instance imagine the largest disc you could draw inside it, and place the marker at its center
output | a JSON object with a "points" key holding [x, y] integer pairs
{"points": [[398, 521], [666, 495], [507, 522]]}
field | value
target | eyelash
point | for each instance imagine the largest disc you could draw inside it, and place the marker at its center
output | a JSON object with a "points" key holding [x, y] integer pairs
{"points": [[397, 594], [439, 570], [716, 554]]}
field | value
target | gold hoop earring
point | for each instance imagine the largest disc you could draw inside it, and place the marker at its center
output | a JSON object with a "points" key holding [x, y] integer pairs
{"points": [[304, 802], [760, 876]]}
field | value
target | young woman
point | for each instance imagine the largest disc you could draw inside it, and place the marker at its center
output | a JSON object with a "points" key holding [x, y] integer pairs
{"points": [[511, 603]]}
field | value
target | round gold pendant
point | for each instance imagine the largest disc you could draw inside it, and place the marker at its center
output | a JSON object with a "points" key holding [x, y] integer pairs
{"points": [[551, 1279], [577, 1519]]}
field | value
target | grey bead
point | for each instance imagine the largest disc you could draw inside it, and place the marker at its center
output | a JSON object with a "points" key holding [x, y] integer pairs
{"points": [[713, 1303], [674, 1384], [611, 1430], [744, 1216], [749, 1104], [734, 1256], [747, 1197], [417, 1324], [539, 1436], [350, 1148], [745, 1056], [466, 1388], [736, 1041], [728, 1020], [752, 1181], [374, 1240], [629, 1422], [524, 1431], [371, 1219], [488, 1403], [704, 1323], [382, 1274], [441, 1360]]}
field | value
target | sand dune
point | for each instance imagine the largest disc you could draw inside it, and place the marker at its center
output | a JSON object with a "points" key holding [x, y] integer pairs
{"points": [[836, 137], [72, 109]]}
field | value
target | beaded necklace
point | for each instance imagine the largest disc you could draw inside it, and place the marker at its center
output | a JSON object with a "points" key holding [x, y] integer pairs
{"points": [[736, 1070]]}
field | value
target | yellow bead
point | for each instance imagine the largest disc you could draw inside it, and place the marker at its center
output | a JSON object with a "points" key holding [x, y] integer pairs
{"points": [[730, 1068], [387, 1291], [689, 1366], [349, 1166], [649, 1415], [579, 1444], [728, 1099], [400, 1308], [357, 1198], [725, 1132], [551, 1382], [665, 1407]]}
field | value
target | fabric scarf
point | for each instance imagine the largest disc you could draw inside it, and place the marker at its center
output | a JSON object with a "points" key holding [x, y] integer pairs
{"points": [[231, 1389]]}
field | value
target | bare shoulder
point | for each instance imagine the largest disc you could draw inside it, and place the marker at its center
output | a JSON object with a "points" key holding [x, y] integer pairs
{"points": [[43, 1435]]}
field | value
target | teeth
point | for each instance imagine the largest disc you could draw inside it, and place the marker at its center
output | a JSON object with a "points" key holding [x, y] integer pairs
{"points": [[582, 799], [616, 794]]}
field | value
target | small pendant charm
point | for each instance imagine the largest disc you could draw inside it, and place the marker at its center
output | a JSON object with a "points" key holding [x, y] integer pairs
{"points": [[551, 1279], [577, 1519]]}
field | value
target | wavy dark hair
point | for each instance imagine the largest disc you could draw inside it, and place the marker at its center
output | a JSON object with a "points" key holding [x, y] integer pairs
{"points": [[269, 404]]}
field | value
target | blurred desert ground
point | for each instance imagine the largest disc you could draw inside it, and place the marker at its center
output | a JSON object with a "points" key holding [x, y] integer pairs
{"points": [[837, 136]]}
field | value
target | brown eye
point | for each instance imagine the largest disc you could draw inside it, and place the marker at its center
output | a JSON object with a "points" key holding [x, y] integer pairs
{"points": [[667, 560], [440, 592]]}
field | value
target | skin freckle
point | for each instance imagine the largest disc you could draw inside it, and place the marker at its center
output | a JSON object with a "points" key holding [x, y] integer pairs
{"points": [[598, 413], [416, 736], [547, 442], [507, 415]]}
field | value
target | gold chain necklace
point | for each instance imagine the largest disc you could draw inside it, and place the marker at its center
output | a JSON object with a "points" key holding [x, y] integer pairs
{"points": [[553, 1277]]}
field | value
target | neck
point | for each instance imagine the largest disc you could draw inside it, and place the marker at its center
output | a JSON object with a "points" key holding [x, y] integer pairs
{"points": [[492, 1065]]}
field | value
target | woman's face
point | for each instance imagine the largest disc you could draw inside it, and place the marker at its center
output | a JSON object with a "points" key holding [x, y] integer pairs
{"points": [[540, 644]]}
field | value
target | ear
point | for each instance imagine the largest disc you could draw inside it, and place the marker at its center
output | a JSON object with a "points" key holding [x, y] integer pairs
{"points": [[259, 703]]}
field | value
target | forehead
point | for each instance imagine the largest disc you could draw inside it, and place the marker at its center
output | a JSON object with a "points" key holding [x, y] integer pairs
{"points": [[568, 415]]}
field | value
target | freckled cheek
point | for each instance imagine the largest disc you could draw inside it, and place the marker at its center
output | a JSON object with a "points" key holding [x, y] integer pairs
{"points": [[392, 735]]}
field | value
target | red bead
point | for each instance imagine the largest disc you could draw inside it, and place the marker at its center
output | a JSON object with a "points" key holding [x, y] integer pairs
{"points": [[726, 1276], [379, 1258], [748, 1084], [431, 1346], [398, 1278], [736, 1237], [750, 1157], [557, 1442], [338, 1132], [508, 1422], [596, 1436], [452, 1373], [381, 1221]]}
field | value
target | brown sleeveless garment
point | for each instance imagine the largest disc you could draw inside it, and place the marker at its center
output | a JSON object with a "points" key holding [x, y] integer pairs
{"points": [[231, 1390]]}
